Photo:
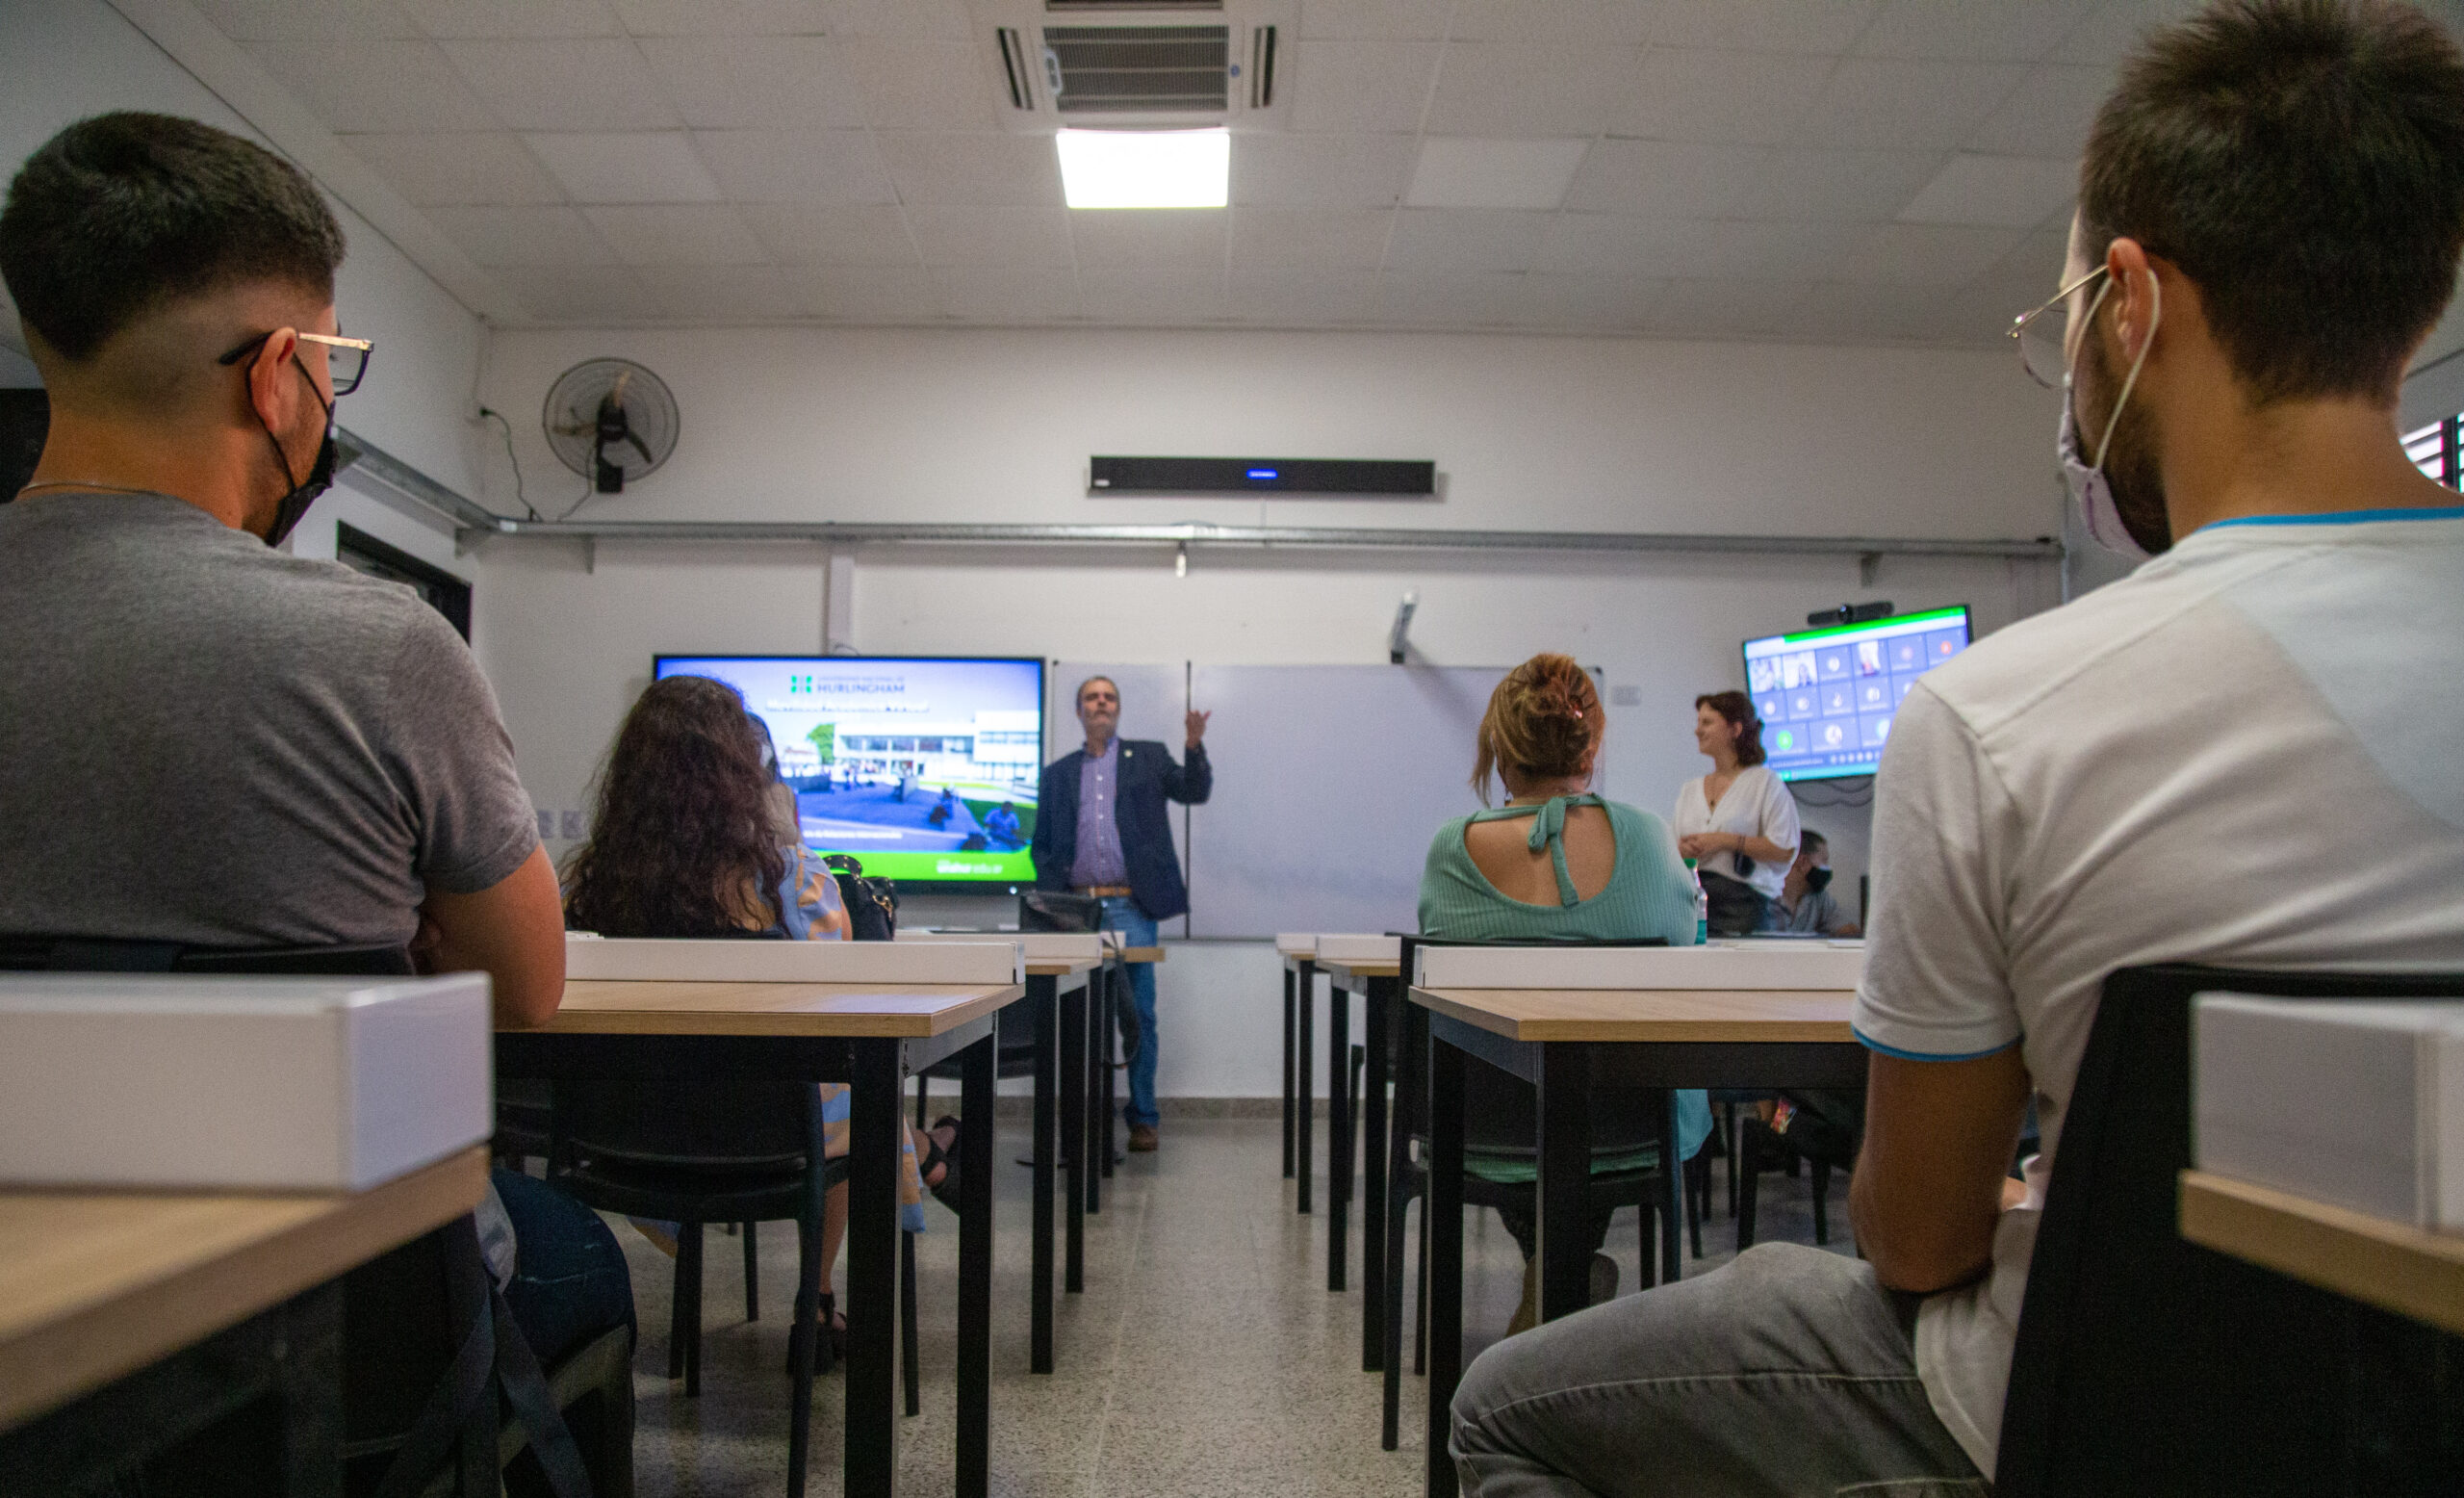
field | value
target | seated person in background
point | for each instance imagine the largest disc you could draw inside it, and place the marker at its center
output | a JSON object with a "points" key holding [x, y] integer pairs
{"points": [[942, 809], [685, 842], [1557, 862], [1001, 825], [2242, 754], [206, 739], [1806, 904]]}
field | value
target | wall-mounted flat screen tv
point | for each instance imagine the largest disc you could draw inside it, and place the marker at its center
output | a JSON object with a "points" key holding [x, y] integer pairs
{"points": [[923, 767], [1826, 696]]}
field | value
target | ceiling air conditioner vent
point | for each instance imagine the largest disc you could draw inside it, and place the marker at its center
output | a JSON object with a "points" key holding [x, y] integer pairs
{"points": [[1139, 69], [1015, 70], [1133, 5]]}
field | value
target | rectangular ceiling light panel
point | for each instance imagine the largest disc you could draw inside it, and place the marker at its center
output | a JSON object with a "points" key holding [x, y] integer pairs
{"points": [[1145, 169]]}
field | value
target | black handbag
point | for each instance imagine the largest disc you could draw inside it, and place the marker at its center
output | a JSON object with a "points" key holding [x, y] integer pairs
{"points": [[872, 904], [1058, 909]]}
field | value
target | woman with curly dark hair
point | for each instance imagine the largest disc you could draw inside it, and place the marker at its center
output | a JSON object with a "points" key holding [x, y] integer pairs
{"points": [[1738, 823], [686, 842]]}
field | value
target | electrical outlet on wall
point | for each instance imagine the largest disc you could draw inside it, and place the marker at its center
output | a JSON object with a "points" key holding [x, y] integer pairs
{"points": [[573, 829], [547, 825]]}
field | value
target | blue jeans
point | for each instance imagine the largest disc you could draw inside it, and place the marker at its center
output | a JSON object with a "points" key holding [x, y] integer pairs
{"points": [[570, 1283], [1137, 928]]}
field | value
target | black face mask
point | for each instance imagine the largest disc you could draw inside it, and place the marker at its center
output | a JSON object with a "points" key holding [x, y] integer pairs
{"points": [[1817, 879], [320, 474]]}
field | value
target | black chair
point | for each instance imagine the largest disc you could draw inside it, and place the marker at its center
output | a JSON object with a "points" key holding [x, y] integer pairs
{"points": [[2147, 1365], [1501, 1122], [412, 1417]]}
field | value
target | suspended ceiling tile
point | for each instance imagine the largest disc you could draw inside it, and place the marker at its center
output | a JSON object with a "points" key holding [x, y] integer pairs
{"points": [[298, 20], [1616, 244], [1664, 177], [1940, 256], [677, 234], [433, 168], [1725, 98], [1152, 297], [1507, 89], [626, 165], [1836, 187], [2113, 29], [1320, 170], [720, 294], [1890, 104], [1835, 312], [1454, 171], [724, 18], [1305, 296], [1963, 29], [1815, 26], [1728, 307], [937, 20], [913, 85], [980, 168], [1460, 239], [1450, 299], [1376, 20], [985, 294], [565, 86], [1588, 305], [2000, 191], [579, 293], [445, 20], [1364, 87], [813, 234], [375, 85], [523, 236], [989, 237], [1589, 22], [2049, 115], [864, 295], [754, 83], [1322, 239], [1163, 239], [796, 166]]}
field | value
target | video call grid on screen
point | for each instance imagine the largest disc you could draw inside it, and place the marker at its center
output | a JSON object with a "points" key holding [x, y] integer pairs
{"points": [[923, 767], [1826, 696]]}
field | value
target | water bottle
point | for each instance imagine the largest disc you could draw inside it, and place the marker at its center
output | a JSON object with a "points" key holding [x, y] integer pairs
{"points": [[1701, 905]]}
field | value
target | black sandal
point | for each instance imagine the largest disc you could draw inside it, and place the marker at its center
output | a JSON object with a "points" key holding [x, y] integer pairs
{"points": [[833, 1326], [947, 1189]]}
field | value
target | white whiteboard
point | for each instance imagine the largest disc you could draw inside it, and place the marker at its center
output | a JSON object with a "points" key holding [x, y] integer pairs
{"points": [[1329, 782]]}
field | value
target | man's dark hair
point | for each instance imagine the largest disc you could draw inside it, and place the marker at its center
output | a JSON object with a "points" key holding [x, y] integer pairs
{"points": [[121, 214], [2303, 161], [1810, 841]]}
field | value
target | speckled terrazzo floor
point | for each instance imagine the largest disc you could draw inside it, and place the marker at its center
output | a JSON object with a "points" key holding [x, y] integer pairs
{"points": [[1205, 1357]]}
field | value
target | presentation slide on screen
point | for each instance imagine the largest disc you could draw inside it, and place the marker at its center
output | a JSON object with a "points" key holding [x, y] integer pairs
{"points": [[922, 769], [1826, 696]]}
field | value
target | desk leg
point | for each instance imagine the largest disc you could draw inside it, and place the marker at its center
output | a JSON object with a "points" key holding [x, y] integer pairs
{"points": [[1108, 1064], [1338, 1133], [1565, 1179], [1290, 1015], [1672, 1203], [1073, 1137], [1444, 1228], [872, 1271], [1041, 1002], [1410, 1083], [1377, 1021], [1305, 979], [1099, 1018], [975, 1269]]}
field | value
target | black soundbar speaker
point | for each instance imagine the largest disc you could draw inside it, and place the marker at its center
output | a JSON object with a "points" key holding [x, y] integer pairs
{"points": [[1261, 476]]}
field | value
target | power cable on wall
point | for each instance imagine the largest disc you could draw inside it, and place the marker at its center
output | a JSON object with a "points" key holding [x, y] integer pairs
{"points": [[518, 497]]}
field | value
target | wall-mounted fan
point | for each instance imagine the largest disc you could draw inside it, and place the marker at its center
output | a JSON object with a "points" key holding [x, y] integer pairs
{"points": [[610, 421]]}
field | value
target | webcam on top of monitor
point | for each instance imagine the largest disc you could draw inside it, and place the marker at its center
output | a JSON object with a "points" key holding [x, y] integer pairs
{"points": [[1851, 613]]}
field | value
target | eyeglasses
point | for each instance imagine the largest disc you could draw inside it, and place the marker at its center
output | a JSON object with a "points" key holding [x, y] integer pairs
{"points": [[346, 358], [2045, 351]]}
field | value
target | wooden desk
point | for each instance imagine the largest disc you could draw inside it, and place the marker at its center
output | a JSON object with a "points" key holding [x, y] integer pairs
{"points": [[2394, 1266], [1567, 1042], [868, 1036], [95, 1286]]}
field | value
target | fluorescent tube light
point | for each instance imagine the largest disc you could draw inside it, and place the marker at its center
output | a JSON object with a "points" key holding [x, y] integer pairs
{"points": [[1145, 169]]}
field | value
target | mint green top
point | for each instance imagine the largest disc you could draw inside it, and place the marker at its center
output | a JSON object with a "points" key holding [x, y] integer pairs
{"points": [[1648, 895]]}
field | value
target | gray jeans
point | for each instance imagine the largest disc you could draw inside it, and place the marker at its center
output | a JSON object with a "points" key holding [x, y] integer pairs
{"points": [[1784, 1373]]}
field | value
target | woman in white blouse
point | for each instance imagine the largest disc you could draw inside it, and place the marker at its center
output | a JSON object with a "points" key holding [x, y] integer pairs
{"points": [[1738, 823]]}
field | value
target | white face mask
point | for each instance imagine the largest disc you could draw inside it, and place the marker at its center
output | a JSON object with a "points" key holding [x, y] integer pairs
{"points": [[2088, 488]]}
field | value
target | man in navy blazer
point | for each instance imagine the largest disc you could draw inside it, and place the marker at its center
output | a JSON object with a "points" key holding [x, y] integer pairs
{"points": [[1102, 829]]}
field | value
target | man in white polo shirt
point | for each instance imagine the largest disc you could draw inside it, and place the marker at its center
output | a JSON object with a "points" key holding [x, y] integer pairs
{"points": [[2250, 752]]}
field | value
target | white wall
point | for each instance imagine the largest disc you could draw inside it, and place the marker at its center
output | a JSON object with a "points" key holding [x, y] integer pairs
{"points": [[1529, 434], [63, 60]]}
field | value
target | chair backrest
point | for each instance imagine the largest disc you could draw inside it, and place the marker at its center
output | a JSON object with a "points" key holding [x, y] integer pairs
{"points": [[2148, 1366], [1502, 1113]]}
